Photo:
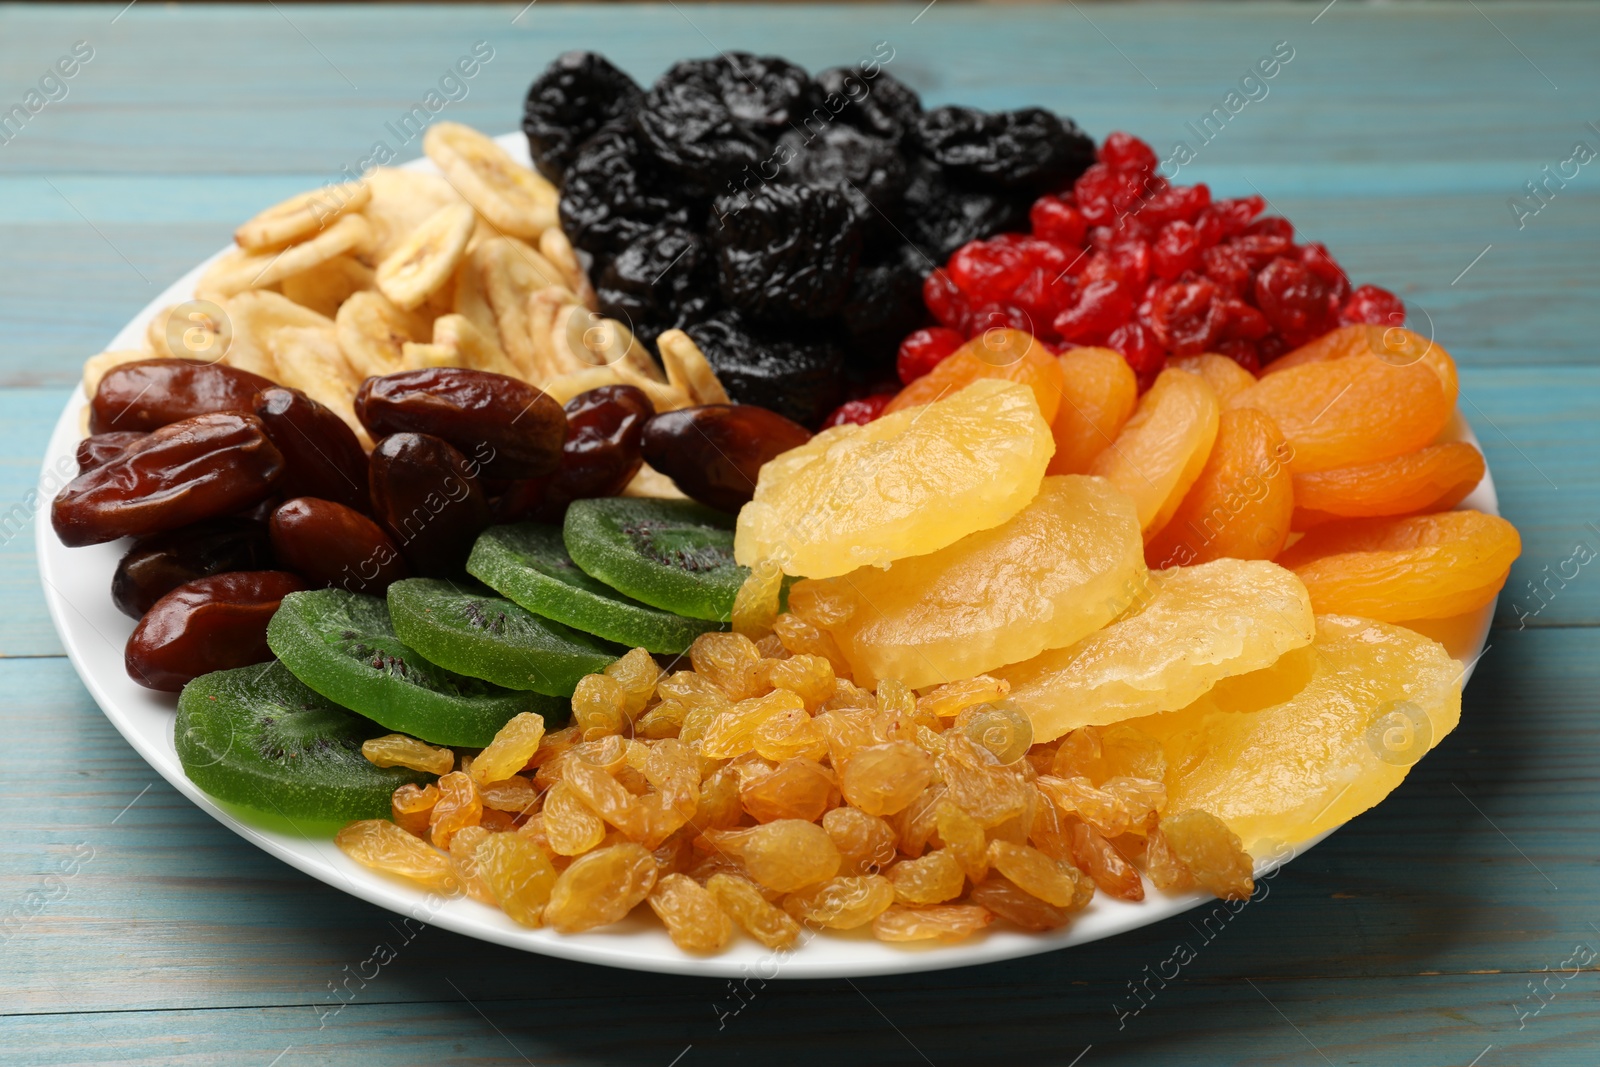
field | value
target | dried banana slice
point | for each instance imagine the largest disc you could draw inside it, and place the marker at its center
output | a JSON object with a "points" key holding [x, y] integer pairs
{"points": [[651, 482], [474, 348], [238, 270], [511, 198], [555, 247], [301, 217], [96, 367], [372, 333], [427, 259], [587, 338], [308, 359], [325, 287], [401, 200], [544, 306], [417, 356], [689, 370], [256, 316], [470, 299], [511, 272], [198, 329]]}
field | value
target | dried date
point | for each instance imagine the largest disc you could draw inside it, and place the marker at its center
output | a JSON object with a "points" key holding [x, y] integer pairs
{"points": [[99, 449], [321, 455], [151, 393], [510, 428], [330, 544], [427, 497], [600, 457], [714, 453], [158, 564], [210, 624]]}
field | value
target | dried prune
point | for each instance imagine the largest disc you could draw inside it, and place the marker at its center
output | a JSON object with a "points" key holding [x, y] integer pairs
{"points": [[509, 428], [793, 372], [577, 94], [884, 305], [199, 468], [941, 216], [786, 252], [767, 93], [321, 455], [615, 191], [426, 496], [151, 393], [867, 171], [601, 455], [713, 453], [158, 564], [101, 448], [879, 104], [664, 278], [209, 624], [1029, 149], [330, 544], [686, 123]]}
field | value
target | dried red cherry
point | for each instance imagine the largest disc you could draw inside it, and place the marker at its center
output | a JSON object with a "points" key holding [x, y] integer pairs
{"points": [[330, 544], [1373, 306], [158, 564], [858, 412], [923, 350], [151, 393], [714, 453], [321, 455], [209, 624]]}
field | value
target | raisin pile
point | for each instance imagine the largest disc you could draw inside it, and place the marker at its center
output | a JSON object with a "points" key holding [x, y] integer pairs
{"points": [[785, 221], [1119, 257]]}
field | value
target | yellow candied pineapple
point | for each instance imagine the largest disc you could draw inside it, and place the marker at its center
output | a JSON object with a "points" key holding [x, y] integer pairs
{"points": [[1053, 573], [906, 484], [1195, 627], [1376, 698]]}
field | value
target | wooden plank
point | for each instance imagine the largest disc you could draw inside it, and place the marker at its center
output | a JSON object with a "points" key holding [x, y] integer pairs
{"points": [[172, 911]]}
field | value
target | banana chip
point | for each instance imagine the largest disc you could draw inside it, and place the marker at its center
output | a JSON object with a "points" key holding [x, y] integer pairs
{"points": [[257, 315], [96, 367], [651, 482], [689, 370], [472, 346], [198, 329], [300, 217], [308, 359], [555, 247], [372, 333], [415, 356], [511, 198], [238, 270], [326, 286], [401, 200], [427, 259], [511, 271]]}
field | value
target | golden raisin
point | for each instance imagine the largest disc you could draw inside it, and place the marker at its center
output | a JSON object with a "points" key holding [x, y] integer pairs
{"points": [[931, 879], [398, 750], [463, 850], [513, 746], [459, 806], [797, 788], [757, 917], [1100, 809], [1212, 852], [600, 705], [1002, 728], [520, 875], [600, 887], [785, 855], [732, 732], [1036, 874], [719, 806], [383, 846], [941, 922], [865, 842], [755, 605], [842, 903], [790, 733], [918, 822], [728, 661], [1166, 870], [1109, 869], [952, 698], [691, 914], [978, 785], [663, 720], [638, 674], [963, 837], [516, 795], [570, 825], [411, 805], [603, 794], [810, 677], [1016, 906], [801, 638], [883, 779]]}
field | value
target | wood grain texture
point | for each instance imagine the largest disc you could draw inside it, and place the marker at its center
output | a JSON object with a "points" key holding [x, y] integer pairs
{"points": [[1396, 135]]}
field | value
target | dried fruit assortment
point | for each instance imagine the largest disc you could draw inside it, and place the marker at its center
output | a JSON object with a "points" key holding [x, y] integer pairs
{"points": [[517, 559]]}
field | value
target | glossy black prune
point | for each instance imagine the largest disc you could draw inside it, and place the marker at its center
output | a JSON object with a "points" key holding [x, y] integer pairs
{"points": [[941, 216], [687, 125], [884, 305], [795, 372], [665, 278], [158, 564], [615, 191], [1030, 150], [881, 105], [869, 172], [785, 252], [578, 93]]}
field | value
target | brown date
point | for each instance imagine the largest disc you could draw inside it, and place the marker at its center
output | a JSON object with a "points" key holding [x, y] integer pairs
{"points": [[321, 456], [196, 469], [600, 457], [329, 544], [151, 393], [209, 624], [426, 496], [101, 448], [511, 428], [713, 453], [158, 564]]}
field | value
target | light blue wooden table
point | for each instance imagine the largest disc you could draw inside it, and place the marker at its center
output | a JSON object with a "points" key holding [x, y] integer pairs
{"points": [[1457, 924]]}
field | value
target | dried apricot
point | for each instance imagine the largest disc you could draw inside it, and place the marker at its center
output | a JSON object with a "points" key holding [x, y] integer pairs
{"points": [[1433, 478], [1225, 376], [1419, 567], [1241, 504], [1353, 410], [1098, 393], [1011, 355], [1392, 344], [1163, 447]]}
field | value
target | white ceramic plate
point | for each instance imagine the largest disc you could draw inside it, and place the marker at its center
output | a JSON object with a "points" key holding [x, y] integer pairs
{"points": [[77, 590]]}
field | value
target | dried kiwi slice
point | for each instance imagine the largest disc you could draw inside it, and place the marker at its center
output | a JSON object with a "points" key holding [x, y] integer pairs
{"points": [[259, 738], [344, 646], [529, 564], [474, 631], [672, 554]]}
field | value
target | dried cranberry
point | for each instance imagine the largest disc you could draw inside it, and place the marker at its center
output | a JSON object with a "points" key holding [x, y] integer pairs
{"points": [[1140, 348], [1045, 294], [1262, 248], [1244, 321], [921, 351], [858, 412], [1135, 260], [1179, 203], [1272, 226], [1374, 307], [1293, 299], [1055, 219], [946, 301], [998, 316], [1126, 152], [1321, 263], [1189, 317], [989, 270], [1105, 193], [1230, 269], [1176, 250], [1241, 352], [1230, 217], [1102, 306]]}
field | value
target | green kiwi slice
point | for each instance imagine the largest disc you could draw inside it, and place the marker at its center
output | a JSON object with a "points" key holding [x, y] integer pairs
{"points": [[473, 631], [529, 564], [344, 646], [259, 739], [675, 555]]}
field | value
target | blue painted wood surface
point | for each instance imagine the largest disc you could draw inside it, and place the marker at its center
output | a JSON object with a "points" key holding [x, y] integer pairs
{"points": [[1447, 926]]}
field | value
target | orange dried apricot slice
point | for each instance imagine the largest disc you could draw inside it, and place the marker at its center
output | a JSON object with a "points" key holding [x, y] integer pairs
{"points": [[1010, 355], [1394, 345], [1162, 448], [1395, 569], [1098, 393], [1224, 375], [1057, 571], [1433, 478], [1353, 410], [1198, 626], [1369, 700], [906, 484], [1241, 504]]}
